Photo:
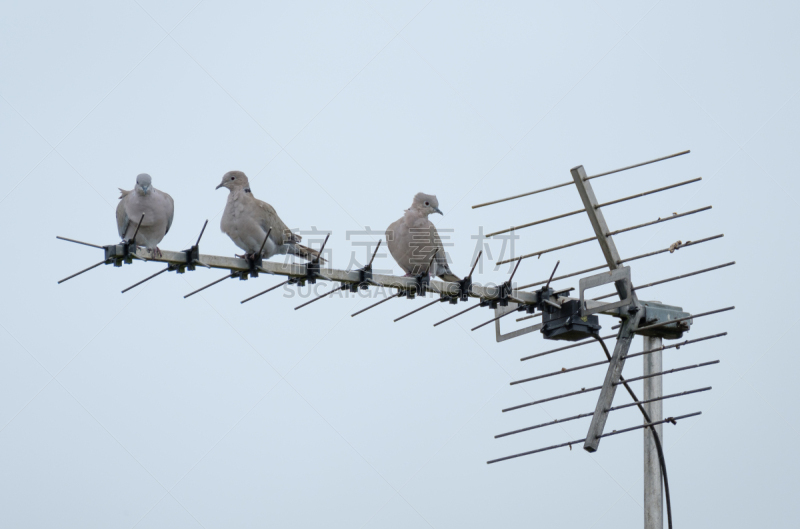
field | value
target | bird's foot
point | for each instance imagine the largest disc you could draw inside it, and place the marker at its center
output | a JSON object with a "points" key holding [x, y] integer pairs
{"points": [[156, 252]]}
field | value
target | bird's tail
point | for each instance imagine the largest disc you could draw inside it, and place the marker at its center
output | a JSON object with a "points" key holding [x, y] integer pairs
{"points": [[122, 193], [305, 252], [449, 276]]}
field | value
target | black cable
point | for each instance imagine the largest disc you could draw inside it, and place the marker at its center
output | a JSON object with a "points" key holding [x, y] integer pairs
{"points": [[660, 450]]}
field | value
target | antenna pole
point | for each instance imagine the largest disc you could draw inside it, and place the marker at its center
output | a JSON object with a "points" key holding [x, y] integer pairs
{"points": [[653, 389]]}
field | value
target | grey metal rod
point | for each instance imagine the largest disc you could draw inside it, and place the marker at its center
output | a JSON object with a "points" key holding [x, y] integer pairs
{"points": [[668, 372], [678, 345], [682, 276], [589, 414], [425, 306], [477, 259], [375, 252], [547, 251], [709, 313], [146, 279], [577, 344], [640, 164], [79, 242], [493, 319], [326, 294], [202, 231], [523, 195], [646, 193], [457, 314], [270, 289], [82, 271], [378, 303], [609, 203], [564, 184], [658, 221], [673, 248], [535, 223], [609, 434], [650, 254], [136, 232], [552, 274], [556, 397], [609, 234], [602, 362], [596, 388], [208, 285], [529, 316]]}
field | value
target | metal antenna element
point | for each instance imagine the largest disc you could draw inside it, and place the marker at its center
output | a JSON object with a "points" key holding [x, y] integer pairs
{"points": [[374, 253], [608, 234], [672, 248], [682, 276], [587, 178], [475, 264], [457, 314], [564, 370], [609, 203], [132, 240], [658, 221], [148, 278], [326, 294], [531, 316], [79, 242], [202, 231], [492, 320], [270, 289], [615, 408], [322, 248], [552, 274], [597, 388], [672, 420], [232, 274], [399, 294], [578, 344], [425, 306], [82, 271], [670, 322], [262, 244]]}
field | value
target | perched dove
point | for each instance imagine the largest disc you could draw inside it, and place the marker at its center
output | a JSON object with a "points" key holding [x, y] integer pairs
{"points": [[413, 240], [246, 220], [157, 207]]}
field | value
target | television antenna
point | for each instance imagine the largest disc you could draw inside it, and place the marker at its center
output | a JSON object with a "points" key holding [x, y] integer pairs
{"points": [[564, 317]]}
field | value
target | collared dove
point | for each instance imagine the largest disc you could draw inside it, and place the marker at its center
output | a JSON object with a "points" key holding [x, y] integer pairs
{"points": [[413, 240], [158, 209], [246, 220]]}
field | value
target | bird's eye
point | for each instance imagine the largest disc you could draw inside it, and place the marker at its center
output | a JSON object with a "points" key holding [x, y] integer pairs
{"points": [[427, 203], [233, 177]]}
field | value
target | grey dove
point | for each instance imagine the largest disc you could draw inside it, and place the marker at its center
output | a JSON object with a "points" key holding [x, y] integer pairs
{"points": [[246, 220], [413, 240], [158, 209]]}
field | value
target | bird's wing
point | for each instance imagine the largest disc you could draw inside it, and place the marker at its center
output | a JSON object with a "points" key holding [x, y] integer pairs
{"points": [[398, 244], [440, 266], [170, 210], [268, 218], [122, 215]]}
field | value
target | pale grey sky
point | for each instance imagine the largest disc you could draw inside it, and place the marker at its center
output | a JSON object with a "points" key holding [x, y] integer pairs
{"points": [[151, 411]]}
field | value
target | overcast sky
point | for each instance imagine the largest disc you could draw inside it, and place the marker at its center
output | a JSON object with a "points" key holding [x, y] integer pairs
{"points": [[149, 410]]}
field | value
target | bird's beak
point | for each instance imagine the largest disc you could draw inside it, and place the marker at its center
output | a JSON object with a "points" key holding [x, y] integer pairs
{"points": [[439, 211], [218, 186]]}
